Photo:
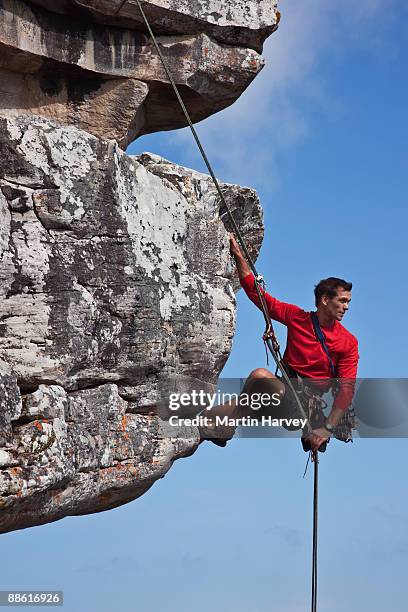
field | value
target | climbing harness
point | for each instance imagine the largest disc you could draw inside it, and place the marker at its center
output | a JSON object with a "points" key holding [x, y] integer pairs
{"points": [[269, 337]]}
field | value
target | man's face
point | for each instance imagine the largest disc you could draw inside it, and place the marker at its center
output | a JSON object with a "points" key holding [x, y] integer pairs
{"points": [[337, 306]]}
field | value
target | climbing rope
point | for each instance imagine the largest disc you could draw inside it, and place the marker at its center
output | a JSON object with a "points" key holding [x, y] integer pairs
{"points": [[269, 336], [315, 460]]}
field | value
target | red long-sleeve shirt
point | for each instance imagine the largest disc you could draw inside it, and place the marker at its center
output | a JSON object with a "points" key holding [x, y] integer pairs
{"points": [[304, 353]]}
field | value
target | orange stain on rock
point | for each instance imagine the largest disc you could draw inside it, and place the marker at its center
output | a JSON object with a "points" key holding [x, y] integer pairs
{"points": [[104, 497], [124, 424]]}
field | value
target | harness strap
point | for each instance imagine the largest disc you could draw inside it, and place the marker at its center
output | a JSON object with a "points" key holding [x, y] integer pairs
{"points": [[322, 339]]}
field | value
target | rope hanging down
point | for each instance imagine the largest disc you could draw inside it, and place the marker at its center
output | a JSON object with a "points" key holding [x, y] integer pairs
{"points": [[315, 517]]}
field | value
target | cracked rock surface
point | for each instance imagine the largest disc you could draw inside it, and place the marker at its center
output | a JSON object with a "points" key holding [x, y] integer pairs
{"points": [[115, 286], [233, 22]]}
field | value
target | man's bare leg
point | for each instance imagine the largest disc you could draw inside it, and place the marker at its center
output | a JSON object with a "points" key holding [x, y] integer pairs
{"points": [[259, 381]]}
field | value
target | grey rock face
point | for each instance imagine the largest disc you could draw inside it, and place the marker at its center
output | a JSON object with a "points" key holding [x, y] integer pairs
{"points": [[115, 283], [88, 455], [10, 405], [109, 80]]}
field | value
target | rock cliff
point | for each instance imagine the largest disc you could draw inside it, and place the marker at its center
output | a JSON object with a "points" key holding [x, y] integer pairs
{"points": [[116, 283]]}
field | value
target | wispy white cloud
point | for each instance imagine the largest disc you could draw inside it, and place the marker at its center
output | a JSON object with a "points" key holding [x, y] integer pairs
{"points": [[292, 537], [245, 140]]}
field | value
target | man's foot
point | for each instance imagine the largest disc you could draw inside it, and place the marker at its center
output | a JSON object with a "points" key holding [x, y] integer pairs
{"points": [[217, 435]]}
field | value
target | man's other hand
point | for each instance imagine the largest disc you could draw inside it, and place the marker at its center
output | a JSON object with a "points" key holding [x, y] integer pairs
{"points": [[234, 247], [317, 437]]}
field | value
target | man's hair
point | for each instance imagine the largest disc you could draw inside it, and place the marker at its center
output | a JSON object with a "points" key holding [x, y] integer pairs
{"points": [[329, 286]]}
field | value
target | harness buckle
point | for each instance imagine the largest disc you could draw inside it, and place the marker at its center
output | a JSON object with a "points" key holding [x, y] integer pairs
{"points": [[260, 280]]}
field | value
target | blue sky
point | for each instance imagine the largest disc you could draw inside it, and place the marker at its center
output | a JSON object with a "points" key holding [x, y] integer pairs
{"points": [[322, 135]]}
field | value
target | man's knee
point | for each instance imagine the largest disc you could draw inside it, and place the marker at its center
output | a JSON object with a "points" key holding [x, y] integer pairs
{"points": [[261, 373], [262, 380]]}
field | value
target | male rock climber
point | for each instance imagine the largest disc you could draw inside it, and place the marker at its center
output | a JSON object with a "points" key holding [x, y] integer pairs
{"points": [[304, 354]]}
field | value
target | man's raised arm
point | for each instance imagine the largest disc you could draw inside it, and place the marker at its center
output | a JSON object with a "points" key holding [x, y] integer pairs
{"points": [[242, 266], [280, 311]]}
